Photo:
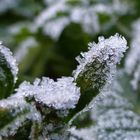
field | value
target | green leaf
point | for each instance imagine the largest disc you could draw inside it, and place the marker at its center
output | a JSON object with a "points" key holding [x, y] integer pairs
{"points": [[113, 115], [98, 66], [8, 72], [17, 117], [116, 114]]}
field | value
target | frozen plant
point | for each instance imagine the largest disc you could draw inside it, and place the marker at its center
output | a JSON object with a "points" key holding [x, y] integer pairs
{"points": [[46, 109]]}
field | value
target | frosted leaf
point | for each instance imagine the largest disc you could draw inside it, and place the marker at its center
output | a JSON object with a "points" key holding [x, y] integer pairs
{"points": [[10, 60], [82, 134], [14, 102], [17, 103], [114, 123], [118, 124], [107, 101], [113, 119], [114, 116], [119, 118], [98, 65], [62, 94], [24, 47], [18, 111], [11, 128]]}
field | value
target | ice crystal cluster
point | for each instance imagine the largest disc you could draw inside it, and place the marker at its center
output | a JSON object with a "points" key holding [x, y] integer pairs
{"points": [[112, 118], [62, 94], [100, 61], [48, 109]]}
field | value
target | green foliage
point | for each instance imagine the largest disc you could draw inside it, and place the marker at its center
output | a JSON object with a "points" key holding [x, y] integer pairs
{"points": [[7, 73], [90, 97]]}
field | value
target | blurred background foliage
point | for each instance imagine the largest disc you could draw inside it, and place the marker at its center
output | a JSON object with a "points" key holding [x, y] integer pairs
{"points": [[46, 35]]}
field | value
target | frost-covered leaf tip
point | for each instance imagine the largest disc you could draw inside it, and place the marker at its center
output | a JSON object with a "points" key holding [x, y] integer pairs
{"points": [[8, 71], [11, 61], [62, 94], [98, 65]]}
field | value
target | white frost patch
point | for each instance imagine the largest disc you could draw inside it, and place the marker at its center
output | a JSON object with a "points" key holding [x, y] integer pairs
{"points": [[10, 60], [11, 128], [123, 124], [108, 50], [112, 117], [83, 133], [62, 94]]}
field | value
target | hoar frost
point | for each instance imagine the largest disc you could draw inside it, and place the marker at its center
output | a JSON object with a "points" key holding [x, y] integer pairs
{"points": [[112, 118], [10, 60], [101, 59], [62, 94]]}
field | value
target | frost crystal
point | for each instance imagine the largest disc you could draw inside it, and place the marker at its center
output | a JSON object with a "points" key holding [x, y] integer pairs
{"points": [[108, 101], [18, 108], [101, 59], [10, 60], [114, 117], [62, 94], [118, 124], [11, 128]]}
